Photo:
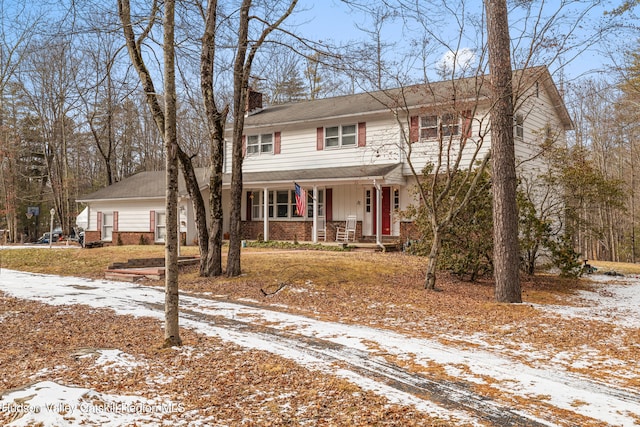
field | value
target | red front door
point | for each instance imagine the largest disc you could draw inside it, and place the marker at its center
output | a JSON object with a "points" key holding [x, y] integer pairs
{"points": [[385, 211]]}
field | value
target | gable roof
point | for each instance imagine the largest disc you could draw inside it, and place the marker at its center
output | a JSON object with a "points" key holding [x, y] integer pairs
{"points": [[466, 90], [151, 185], [143, 185]]}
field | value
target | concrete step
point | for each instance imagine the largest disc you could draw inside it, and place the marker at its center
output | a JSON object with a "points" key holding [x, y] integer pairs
{"points": [[133, 274]]}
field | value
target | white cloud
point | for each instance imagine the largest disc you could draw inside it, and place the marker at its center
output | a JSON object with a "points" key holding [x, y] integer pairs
{"points": [[463, 60]]}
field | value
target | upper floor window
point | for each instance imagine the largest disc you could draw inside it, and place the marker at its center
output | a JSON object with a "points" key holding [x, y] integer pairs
{"points": [[340, 136], [260, 144], [518, 126], [430, 126]]}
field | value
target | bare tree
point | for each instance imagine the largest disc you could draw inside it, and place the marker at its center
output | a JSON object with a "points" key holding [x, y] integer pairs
{"points": [[216, 119], [381, 15], [280, 79], [245, 54], [171, 330], [14, 41], [52, 96], [166, 122], [101, 97]]}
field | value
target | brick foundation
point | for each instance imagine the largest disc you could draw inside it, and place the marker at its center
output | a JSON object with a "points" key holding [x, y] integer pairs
{"points": [[133, 238], [91, 236], [291, 230], [126, 237], [409, 231]]}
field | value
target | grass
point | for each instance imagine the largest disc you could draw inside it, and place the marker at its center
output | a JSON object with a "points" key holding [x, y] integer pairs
{"points": [[74, 261], [620, 267]]}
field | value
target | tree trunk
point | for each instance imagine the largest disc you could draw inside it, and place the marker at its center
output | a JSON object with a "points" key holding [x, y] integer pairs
{"points": [[233, 257], [240, 79], [215, 124], [214, 258], [200, 212], [158, 115], [172, 329], [505, 211], [432, 264], [241, 70]]}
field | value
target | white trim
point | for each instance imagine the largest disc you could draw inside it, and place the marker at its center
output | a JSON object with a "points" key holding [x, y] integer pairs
{"points": [[314, 229], [265, 215]]}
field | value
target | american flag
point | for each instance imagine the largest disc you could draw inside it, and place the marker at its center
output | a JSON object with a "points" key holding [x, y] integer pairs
{"points": [[301, 200]]}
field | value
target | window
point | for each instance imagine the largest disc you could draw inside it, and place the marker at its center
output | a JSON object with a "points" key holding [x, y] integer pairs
{"points": [[429, 126], [257, 204], [310, 203], [396, 199], [340, 136], [161, 226], [284, 206], [260, 144], [367, 201], [450, 125], [107, 226], [518, 126]]}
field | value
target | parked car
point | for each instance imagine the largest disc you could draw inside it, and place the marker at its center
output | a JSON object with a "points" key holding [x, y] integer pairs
{"points": [[45, 237]]}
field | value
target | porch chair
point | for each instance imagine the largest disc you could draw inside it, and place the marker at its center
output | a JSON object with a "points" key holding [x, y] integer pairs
{"points": [[343, 234], [322, 228]]}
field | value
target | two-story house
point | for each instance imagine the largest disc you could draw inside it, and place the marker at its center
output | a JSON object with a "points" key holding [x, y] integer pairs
{"points": [[354, 155]]}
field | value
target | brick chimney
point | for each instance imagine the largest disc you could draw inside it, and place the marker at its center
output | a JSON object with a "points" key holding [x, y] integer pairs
{"points": [[254, 100]]}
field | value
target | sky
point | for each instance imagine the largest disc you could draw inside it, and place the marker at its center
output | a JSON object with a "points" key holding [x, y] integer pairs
{"points": [[555, 376], [333, 19]]}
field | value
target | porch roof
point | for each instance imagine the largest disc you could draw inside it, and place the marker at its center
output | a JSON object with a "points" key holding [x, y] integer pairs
{"points": [[151, 185], [389, 173]]}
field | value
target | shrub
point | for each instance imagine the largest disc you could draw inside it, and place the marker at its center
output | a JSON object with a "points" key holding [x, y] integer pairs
{"points": [[565, 257]]}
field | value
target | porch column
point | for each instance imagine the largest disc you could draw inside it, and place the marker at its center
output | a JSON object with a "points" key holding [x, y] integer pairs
{"points": [[315, 215], [378, 212], [265, 214]]}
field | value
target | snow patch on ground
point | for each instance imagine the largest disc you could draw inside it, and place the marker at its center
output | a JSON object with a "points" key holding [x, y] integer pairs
{"points": [[613, 300]]}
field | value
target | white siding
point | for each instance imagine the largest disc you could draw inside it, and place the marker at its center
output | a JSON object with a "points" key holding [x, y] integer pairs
{"points": [[133, 215], [477, 145], [348, 200], [539, 115], [299, 148]]}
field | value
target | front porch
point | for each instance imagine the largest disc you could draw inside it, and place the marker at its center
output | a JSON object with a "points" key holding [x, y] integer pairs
{"points": [[292, 230]]}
